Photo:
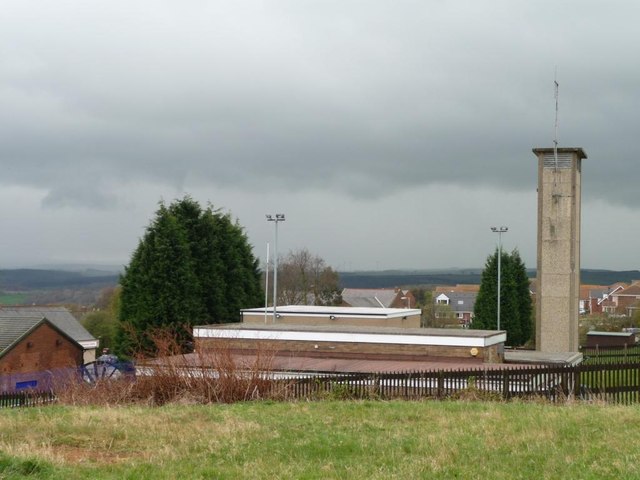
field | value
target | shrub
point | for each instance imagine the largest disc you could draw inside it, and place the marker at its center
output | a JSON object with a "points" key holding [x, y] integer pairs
{"points": [[174, 377]]}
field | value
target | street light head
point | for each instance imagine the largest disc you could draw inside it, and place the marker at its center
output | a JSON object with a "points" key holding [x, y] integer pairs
{"points": [[280, 216], [269, 217]]}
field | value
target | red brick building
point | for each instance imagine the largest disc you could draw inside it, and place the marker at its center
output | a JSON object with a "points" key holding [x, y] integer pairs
{"points": [[30, 346]]}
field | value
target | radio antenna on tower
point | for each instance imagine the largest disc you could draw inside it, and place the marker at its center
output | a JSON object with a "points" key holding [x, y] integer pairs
{"points": [[555, 132]]}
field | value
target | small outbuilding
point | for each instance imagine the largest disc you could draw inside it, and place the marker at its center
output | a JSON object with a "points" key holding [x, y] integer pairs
{"points": [[610, 339], [62, 319], [32, 346]]}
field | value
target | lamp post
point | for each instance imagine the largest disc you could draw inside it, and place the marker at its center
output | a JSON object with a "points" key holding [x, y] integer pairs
{"points": [[499, 231], [278, 217], [266, 286]]}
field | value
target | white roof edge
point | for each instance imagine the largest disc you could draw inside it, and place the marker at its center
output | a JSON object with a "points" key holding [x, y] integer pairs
{"points": [[340, 312], [87, 344], [385, 338], [610, 334]]}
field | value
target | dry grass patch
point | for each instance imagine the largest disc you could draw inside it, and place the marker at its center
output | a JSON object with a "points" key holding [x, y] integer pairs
{"points": [[65, 435]]}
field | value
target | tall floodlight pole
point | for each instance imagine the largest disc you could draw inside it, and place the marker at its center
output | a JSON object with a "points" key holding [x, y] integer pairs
{"points": [[499, 231], [279, 217], [266, 286]]}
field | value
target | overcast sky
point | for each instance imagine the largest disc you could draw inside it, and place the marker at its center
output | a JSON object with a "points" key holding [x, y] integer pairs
{"points": [[392, 134]]}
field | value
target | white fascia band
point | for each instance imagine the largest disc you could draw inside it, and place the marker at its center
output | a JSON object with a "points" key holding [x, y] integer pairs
{"points": [[434, 340]]}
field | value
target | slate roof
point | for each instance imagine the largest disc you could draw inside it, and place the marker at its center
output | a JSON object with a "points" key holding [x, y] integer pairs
{"points": [[462, 301], [596, 293], [12, 329], [366, 297], [58, 316]]}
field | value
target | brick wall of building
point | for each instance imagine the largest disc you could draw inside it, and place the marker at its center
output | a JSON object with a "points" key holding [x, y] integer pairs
{"points": [[348, 349], [44, 349]]}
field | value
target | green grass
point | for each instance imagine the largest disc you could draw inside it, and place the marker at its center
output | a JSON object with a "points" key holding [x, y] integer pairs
{"points": [[12, 298], [323, 440]]}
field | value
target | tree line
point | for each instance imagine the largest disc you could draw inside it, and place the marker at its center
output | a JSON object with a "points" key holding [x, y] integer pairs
{"points": [[194, 265]]}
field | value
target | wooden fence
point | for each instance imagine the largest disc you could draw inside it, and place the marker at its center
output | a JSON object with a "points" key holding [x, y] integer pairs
{"points": [[618, 383], [610, 355], [28, 398]]}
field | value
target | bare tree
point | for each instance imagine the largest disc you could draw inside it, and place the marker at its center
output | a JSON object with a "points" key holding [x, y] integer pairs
{"points": [[305, 279]]}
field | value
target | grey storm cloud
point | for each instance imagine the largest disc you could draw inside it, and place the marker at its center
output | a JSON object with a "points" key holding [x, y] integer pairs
{"points": [[360, 97], [413, 120]]}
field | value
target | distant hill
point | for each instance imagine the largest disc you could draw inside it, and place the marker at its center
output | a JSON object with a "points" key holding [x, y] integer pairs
{"points": [[84, 286], [398, 278], [26, 279]]}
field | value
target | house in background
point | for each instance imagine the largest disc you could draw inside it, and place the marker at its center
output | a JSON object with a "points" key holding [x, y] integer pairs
{"points": [[460, 305], [590, 295], [627, 300], [63, 320], [378, 298], [460, 300], [31, 347], [609, 301]]}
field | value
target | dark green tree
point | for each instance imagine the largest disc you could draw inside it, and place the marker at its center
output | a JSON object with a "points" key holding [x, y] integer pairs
{"points": [[515, 299], [523, 295], [193, 266]]}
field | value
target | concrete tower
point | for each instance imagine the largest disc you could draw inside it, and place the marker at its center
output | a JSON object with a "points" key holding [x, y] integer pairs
{"points": [[558, 288]]}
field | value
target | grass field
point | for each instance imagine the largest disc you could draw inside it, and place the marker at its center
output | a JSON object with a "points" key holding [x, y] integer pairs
{"points": [[12, 298], [323, 440]]}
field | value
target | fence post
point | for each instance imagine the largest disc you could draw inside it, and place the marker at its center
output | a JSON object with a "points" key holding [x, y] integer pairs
{"points": [[576, 381], [505, 384], [440, 391]]}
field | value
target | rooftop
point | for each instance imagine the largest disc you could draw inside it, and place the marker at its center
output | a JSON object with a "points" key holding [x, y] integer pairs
{"points": [[14, 328], [311, 365], [610, 334], [577, 150], [422, 332], [336, 311], [59, 316]]}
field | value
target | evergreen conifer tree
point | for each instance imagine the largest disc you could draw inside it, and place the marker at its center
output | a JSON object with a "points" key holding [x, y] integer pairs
{"points": [[523, 294], [515, 299], [192, 266]]}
